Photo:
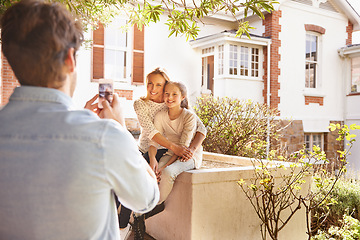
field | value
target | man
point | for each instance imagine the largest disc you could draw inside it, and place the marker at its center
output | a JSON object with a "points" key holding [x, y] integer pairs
{"points": [[60, 167]]}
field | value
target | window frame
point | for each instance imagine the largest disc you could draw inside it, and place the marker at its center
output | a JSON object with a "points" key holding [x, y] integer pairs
{"points": [[127, 49], [101, 46], [315, 62], [311, 141], [351, 92]]}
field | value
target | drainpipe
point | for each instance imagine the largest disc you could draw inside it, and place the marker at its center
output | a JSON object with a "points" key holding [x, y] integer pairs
{"points": [[268, 94]]}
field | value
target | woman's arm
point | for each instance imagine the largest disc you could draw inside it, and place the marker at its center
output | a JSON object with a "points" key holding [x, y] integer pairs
{"points": [[146, 122], [177, 149], [171, 160], [152, 158]]}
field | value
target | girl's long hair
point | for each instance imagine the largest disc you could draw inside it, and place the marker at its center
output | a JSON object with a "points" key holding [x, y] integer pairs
{"points": [[160, 71], [182, 88]]}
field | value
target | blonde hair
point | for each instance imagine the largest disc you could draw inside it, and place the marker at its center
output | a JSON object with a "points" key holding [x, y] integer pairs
{"points": [[160, 71], [183, 91]]}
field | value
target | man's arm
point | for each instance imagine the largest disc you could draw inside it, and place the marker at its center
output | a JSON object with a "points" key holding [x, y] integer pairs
{"points": [[127, 172]]}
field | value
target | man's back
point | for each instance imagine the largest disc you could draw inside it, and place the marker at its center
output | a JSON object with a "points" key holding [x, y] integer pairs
{"points": [[59, 168]]}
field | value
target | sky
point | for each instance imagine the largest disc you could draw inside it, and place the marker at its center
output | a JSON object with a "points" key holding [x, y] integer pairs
{"points": [[356, 5]]}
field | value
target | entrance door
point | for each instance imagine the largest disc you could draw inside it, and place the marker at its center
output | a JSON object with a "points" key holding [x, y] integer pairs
{"points": [[208, 73]]}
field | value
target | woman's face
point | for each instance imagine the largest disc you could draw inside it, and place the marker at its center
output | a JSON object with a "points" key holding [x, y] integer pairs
{"points": [[155, 87]]}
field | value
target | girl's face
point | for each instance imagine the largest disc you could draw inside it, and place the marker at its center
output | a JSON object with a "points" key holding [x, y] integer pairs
{"points": [[155, 87], [172, 96]]}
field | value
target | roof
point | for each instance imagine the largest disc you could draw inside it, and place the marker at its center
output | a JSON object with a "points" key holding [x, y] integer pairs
{"points": [[229, 35], [352, 50]]}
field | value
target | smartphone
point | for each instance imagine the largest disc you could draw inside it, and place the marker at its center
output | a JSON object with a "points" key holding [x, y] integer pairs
{"points": [[106, 91]]}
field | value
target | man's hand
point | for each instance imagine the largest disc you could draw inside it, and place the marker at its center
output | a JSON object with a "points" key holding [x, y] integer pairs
{"points": [[91, 105], [113, 111]]}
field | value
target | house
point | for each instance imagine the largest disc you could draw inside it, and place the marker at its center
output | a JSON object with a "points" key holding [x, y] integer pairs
{"points": [[300, 59]]}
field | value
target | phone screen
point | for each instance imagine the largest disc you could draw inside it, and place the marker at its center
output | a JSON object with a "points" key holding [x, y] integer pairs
{"points": [[106, 91]]}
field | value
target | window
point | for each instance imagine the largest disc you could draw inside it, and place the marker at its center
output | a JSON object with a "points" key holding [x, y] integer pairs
{"points": [[221, 59], [243, 61], [255, 62], [355, 75], [244, 58], [233, 68], [118, 54], [116, 51], [312, 139], [311, 61]]}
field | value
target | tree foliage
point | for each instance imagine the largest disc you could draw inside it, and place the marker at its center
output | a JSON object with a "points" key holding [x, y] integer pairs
{"points": [[183, 16]]}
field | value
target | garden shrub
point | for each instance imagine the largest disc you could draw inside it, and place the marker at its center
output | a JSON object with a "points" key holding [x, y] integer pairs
{"points": [[345, 198], [237, 127], [348, 230]]}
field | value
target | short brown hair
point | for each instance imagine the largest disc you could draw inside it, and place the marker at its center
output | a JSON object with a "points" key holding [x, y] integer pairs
{"points": [[36, 37]]}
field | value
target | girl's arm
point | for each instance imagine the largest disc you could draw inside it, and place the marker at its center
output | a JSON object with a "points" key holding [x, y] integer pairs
{"points": [[197, 140], [188, 129]]}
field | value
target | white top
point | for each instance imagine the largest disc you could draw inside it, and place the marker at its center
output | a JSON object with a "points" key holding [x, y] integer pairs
{"points": [[146, 111], [180, 130], [60, 168]]}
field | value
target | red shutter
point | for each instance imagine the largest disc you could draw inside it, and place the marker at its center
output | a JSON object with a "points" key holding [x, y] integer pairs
{"points": [[137, 76], [98, 53]]}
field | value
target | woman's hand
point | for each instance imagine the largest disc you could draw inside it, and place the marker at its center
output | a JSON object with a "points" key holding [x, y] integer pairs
{"points": [[182, 151], [154, 165]]}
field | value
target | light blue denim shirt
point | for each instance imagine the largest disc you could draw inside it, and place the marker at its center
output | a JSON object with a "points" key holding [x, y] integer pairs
{"points": [[59, 168]]}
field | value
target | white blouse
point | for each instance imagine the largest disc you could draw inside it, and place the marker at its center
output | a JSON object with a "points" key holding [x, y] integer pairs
{"points": [[146, 111]]}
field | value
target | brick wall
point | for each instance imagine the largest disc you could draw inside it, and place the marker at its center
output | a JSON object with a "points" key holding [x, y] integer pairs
{"points": [[9, 81], [309, 99], [272, 29], [315, 28], [349, 31], [128, 94]]}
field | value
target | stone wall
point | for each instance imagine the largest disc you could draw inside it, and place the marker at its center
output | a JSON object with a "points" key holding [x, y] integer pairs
{"points": [[292, 140]]}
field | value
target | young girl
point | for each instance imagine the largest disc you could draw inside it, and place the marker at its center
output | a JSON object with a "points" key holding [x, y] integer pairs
{"points": [[178, 124]]}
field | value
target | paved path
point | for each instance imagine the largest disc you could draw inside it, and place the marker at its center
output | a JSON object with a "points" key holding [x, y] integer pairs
{"points": [[146, 237]]}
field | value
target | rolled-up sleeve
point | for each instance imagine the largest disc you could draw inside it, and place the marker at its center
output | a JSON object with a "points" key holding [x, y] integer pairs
{"points": [[126, 172]]}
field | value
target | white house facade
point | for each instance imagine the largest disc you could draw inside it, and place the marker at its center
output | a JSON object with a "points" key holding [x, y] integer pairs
{"points": [[300, 59]]}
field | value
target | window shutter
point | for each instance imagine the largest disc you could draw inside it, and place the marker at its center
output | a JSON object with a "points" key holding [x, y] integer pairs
{"points": [[137, 76], [98, 53]]}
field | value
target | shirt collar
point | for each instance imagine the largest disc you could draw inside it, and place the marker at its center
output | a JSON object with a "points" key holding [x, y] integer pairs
{"points": [[41, 94]]}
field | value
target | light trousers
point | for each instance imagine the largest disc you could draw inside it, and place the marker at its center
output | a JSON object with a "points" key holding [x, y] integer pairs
{"points": [[170, 173]]}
